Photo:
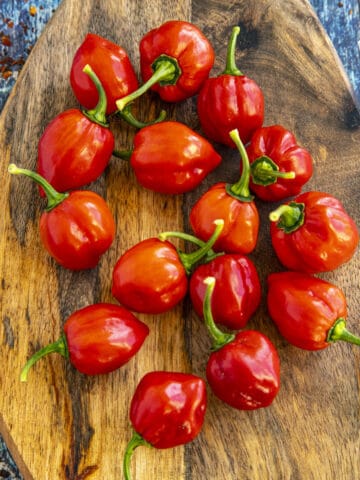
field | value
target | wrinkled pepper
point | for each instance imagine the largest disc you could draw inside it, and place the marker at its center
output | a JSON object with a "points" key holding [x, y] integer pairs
{"points": [[175, 60], [279, 166], [96, 339], [170, 158], [313, 233], [237, 281], [309, 312], [243, 369], [112, 65], [166, 410], [230, 101], [235, 205], [76, 146], [152, 276], [76, 228]]}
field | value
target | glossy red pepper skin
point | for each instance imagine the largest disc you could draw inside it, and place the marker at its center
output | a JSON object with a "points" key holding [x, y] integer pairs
{"points": [[241, 227], [149, 277], [73, 151], [170, 158], [245, 373], [78, 230], [168, 408], [234, 205], [278, 145], [97, 339], [313, 233], [188, 46], [230, 101], [152, 276], [309, 312], [237, 291], [103, 337], [243, 369], [113, 67]]}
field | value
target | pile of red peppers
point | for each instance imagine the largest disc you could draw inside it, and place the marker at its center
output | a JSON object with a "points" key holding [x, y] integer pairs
{"points": [[310, 232]]}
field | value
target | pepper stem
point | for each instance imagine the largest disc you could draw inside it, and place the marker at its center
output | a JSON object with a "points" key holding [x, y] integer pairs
{"points": [[97, 114], [240, 189], [54, 198], [166, 72], [60, 346], [231, 68], [128, 116], [264, 171], [136, 441], [339, 332], [289, 216], [219, 338], [123, 154], [190, 259]]}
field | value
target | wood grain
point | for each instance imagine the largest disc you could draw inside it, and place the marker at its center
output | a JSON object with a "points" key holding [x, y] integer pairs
{"points": [[63, 425]]}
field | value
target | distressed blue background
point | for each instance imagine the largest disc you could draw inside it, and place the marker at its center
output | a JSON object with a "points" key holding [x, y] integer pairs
{"points": [[22, 21]]}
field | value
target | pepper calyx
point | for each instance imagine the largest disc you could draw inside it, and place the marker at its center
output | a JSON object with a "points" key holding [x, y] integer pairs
{"points": [[170, 68], [204, 253], [289, 217], [166, 72], [339, 332], [264, 171]]}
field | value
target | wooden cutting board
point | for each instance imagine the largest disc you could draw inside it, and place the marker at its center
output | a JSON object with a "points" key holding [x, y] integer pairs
{"points": [[64, 425]]}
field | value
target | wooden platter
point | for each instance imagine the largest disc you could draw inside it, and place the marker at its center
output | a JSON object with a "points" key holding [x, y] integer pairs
{"points": [[64, 425]]}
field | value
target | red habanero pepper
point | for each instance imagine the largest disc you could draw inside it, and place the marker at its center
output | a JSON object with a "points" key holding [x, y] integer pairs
{"points": [[97, 339], [231, 100], [76, 146], [235, 205], [309, 312], [243, 369], [76, 228], [152, 276], [279, 166], [175, 60], [237, 291], [113, 67], [167, 410], [313, 233], [170, 158]]}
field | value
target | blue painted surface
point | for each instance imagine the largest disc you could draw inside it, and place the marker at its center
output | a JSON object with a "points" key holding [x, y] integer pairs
{"points": [[22, 21]]}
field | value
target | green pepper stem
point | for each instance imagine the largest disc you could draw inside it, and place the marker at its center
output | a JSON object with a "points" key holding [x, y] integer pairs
{"points": [[136, 441], [231, 68], [123, 154], [264, 171], [190, 259], [54, 197], [166, 71], [128, 116], [339, 332], [219, 338], [289, 216], [97, 114], [240, 189], [60, 346]]}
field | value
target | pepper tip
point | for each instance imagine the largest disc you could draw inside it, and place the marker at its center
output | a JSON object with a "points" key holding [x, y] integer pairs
{"points": [[12, 168], [210, 281]]}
